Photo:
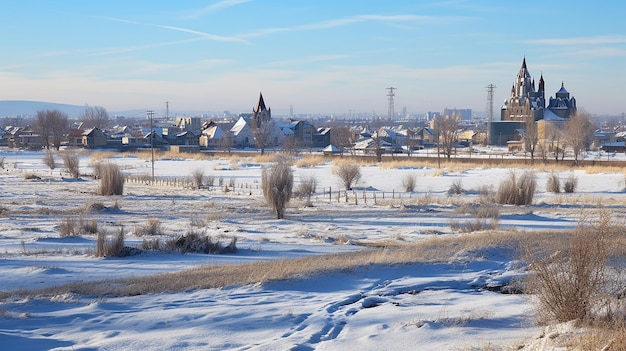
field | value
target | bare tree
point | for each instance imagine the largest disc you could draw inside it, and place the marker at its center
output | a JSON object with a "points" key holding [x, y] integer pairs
{"points": [[52, 126], [342, 137], [446, 128], [579, 132], [349, 173], [277, 185], [94, 117], [531, 137], [261, 131]]}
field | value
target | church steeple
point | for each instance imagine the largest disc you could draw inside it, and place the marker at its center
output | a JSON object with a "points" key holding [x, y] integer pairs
{"points": [[260, 105], [261, 114]]}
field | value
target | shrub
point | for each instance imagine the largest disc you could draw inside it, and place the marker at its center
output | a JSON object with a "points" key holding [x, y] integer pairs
{"points": [[67, 227], [2, 162], [197, 175], [114, 247], [277, 185], [152, 227], [568, 282], [306, 188], [552, 184], [199, 242], [514, 191], [456, 188], [210, 180], [570, 184], [408, 182], [72, 163], [349, 173], [48, 160], [111, 179]]}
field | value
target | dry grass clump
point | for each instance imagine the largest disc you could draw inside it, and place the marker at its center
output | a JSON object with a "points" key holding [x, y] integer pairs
{"points": [[553, 184], [517, 191], [111, 179], [408, 182], [72, 226], [268, 158], [485, 217], [308, 161], [112, 246], [348, 172], [403, 163], [151, 228], [72, 163], [199, 242], [31, 176]]}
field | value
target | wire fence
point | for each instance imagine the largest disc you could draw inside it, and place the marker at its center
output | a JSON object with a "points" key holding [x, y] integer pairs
{"points": [[355, 196]]}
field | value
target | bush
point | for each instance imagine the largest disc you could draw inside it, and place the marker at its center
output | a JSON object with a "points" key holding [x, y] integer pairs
{"points": [[277, 185], [408, 182], [306, 188], [568, 282], [553, 184], [456, 188], [72, 163], [48, 160], [152, 227], [111, 179], [514, 191], [114, 247], [349, 173], [199, 242], [570, 184], [198, 178]]}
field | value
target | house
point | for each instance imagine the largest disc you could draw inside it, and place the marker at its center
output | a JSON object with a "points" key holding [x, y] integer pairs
{"points": [[94, 138], [213, 136], [243, 136], [23, 137], [184, 138], [303, 132]]}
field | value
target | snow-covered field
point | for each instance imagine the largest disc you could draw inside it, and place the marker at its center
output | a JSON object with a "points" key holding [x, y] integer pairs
{"points": [[425, 306]]}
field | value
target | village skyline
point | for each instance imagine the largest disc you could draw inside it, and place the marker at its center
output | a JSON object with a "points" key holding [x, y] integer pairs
{"points": [[315, 57]]}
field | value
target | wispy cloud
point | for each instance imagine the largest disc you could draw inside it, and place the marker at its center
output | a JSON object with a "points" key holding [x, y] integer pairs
{"points": [[214, 7], [340, 22], [597, 40], [204, 35]]}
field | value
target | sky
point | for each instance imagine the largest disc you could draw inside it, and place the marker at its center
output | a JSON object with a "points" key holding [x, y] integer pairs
{"points": [[317, 57]]}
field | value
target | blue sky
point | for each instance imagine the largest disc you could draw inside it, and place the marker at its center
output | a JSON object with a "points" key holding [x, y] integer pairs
{"points": [[319, 56]]}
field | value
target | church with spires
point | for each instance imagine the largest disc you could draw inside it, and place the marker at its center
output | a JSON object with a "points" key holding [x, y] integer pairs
{"points": [[528, 102]]}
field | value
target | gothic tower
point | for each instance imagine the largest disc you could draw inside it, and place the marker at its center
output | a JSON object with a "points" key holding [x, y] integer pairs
{"points": [[525, 102]]}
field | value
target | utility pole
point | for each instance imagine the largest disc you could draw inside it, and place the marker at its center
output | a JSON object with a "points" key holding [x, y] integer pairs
{"points": [[390, 95], [150, 114], [490, 89], [167, 109]]}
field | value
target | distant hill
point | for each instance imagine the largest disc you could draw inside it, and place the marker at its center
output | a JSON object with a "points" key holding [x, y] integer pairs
{"points": [[30, 108]]}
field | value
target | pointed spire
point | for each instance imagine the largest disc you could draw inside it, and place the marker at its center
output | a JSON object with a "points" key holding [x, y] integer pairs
{"points": [[261, 104]]}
